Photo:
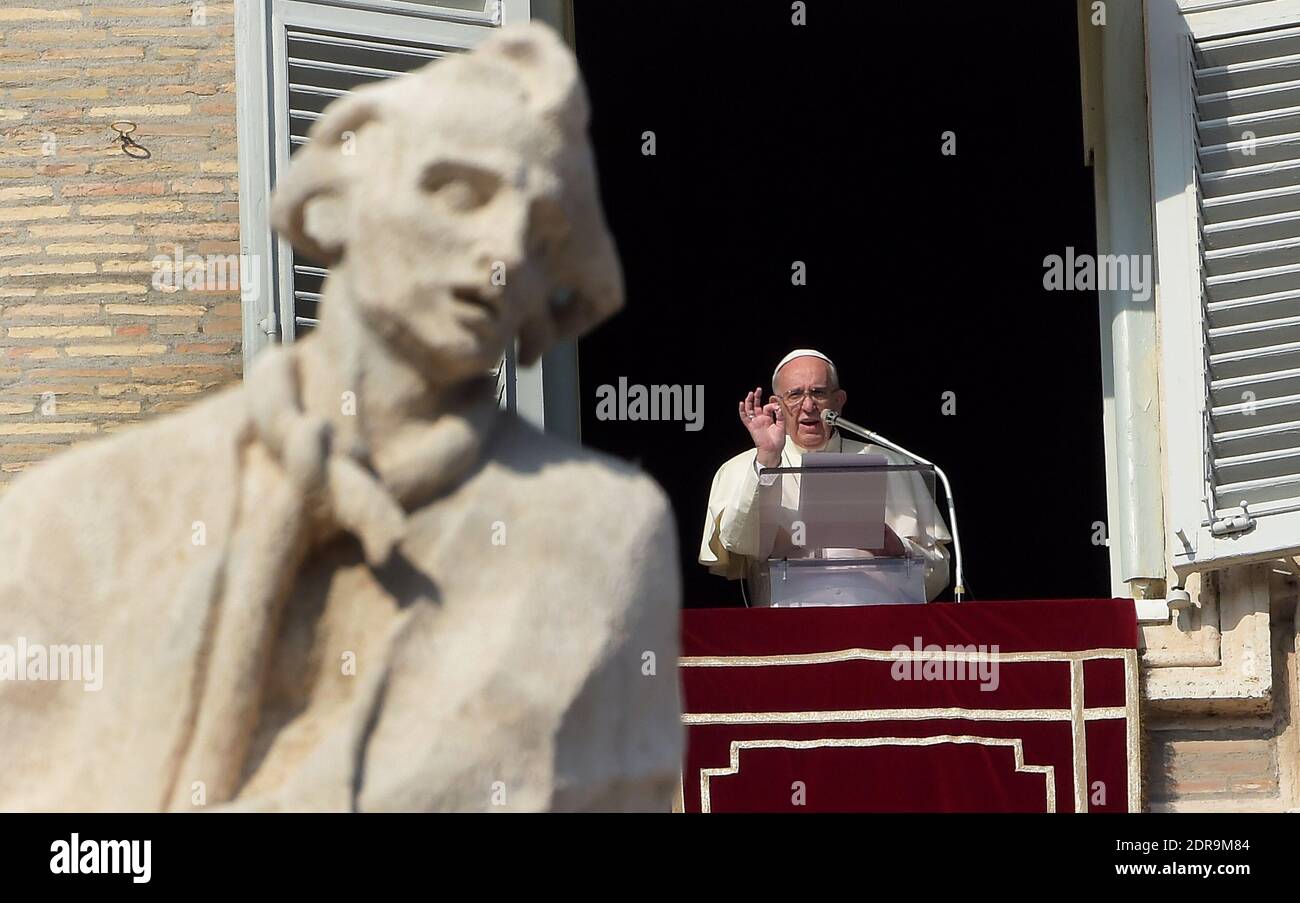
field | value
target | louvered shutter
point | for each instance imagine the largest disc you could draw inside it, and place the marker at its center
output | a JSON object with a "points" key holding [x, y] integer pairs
{"points": [[1226, 164]]}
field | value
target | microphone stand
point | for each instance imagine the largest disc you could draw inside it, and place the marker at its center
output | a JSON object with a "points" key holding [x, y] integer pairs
{"points": [[833, 419]]}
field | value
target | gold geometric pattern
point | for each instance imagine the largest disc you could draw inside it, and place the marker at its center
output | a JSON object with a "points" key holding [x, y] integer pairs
{"points": [[1017, 748], [1077, 715]]}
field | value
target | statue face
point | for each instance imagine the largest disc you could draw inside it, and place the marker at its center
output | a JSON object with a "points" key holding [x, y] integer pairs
{"points": [[466, 208], [447, 259]]}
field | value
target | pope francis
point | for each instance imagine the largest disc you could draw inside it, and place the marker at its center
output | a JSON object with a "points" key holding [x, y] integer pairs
{"points": [[805, 383]]}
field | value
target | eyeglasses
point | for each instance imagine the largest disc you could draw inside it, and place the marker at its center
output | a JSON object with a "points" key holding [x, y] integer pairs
{"points": [[794, 398]]}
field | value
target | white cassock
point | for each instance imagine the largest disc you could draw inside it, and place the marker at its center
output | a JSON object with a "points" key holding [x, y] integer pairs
{"points": [[731, 528]]}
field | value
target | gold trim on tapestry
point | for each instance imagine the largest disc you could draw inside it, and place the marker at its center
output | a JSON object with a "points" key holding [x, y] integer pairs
{"points": [[1017, 746], [1077, 715], [881, 655]]}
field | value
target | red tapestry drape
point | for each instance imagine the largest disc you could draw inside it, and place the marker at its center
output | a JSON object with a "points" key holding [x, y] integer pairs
{"points": [[979, 707]]}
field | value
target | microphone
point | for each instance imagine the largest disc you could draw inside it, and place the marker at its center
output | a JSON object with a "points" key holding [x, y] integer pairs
{"points": [[833, 419]]}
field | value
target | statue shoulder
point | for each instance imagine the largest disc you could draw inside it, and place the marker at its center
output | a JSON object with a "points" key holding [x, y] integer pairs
{"points": [[586, 510], [543, 466]]}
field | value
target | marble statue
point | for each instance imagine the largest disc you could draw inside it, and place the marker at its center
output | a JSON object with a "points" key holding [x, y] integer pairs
{"points": [[352, 582]]}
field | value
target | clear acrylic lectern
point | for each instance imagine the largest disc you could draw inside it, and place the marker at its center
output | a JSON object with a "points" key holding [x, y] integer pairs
{"points": [[829, 532]]}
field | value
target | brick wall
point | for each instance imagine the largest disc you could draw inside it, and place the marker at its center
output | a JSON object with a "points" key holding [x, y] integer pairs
{"points": [[94, 334], [1205, 764], [1228, 764]]}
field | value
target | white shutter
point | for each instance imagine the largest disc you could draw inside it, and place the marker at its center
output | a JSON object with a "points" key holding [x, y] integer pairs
{"points": [[1225, 110]]}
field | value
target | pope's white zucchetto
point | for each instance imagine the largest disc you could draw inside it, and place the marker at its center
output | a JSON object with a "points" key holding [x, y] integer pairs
{"points": [[807, 352]]}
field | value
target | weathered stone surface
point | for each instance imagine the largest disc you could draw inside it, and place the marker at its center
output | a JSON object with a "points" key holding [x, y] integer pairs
{"points": [[353, 582]]}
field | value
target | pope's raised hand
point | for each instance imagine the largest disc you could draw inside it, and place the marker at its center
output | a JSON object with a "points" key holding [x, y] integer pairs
{"points": [[766, 425]]}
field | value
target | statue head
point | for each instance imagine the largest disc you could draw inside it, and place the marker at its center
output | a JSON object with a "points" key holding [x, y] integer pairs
{"points": [[458, 207]]}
